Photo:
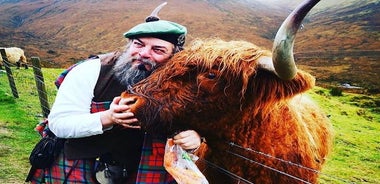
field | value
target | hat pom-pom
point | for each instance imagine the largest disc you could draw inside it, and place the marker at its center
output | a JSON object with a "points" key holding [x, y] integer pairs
{"points": [[152, 19]]}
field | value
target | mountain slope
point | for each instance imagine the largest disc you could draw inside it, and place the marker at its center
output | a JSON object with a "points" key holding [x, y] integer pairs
{"points": [[62, 32]]}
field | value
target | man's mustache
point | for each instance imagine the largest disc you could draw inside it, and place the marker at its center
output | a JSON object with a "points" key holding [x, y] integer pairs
{"points": [[143, 63]]}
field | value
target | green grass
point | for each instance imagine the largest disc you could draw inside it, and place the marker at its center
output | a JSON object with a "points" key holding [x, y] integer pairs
{"points": [[356, 152], [355, 118], [18, 117]]}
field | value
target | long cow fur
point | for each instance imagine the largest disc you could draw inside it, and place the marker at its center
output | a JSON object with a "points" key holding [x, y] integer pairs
{"points": [[216, 88]]}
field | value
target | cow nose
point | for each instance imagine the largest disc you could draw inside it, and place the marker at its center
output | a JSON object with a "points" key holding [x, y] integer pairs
{"points": [[131, 101], [128, 101]]}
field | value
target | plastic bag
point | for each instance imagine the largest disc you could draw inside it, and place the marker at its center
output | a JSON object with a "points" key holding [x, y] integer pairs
{"points": [[179, 164]]}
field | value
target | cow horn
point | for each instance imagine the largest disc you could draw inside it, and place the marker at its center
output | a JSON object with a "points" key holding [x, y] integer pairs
{"points": [[154, 15], [283, 59]]}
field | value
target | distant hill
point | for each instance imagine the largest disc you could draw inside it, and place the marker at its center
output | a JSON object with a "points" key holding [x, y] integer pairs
{"points": [[62, 32]]}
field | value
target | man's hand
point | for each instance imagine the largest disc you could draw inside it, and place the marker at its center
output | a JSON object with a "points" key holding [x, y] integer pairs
{"points": [[119, 114], [188, 140]]}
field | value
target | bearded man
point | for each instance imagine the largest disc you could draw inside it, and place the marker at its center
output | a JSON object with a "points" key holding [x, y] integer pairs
{"points": [[104, 142]]}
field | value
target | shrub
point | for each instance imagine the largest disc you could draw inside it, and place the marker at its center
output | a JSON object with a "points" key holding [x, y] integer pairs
{"points": [[336, 92]]}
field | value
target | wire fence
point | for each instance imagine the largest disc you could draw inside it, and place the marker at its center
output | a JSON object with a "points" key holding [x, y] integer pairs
{"points": [[39, 80], [24, 85], [9, 73], [45, 109]]}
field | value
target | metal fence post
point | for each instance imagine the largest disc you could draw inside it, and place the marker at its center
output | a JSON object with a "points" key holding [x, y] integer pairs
{"points": [[9, 73], [40, 86]]}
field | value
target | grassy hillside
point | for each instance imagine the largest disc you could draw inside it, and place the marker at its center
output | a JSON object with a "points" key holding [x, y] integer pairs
{"points": [[356, 120]]}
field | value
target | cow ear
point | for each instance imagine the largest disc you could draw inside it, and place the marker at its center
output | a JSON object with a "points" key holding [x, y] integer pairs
{"points": [[266, 87]]}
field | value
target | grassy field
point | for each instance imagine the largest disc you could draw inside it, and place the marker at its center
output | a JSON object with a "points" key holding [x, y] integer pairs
{"points": [[356, 121]]}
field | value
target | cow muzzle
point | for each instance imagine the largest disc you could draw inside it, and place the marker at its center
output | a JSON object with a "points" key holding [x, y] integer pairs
{"points": [[145, 110], [131, 100]]}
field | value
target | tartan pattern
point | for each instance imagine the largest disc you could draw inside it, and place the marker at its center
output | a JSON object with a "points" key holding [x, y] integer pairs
{"points": [[99, 106], [42, 127], [151, 168], [81, 173], [62, 76]]}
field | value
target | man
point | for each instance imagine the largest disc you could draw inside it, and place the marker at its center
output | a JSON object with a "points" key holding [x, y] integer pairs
{"points": [[102, 135]]}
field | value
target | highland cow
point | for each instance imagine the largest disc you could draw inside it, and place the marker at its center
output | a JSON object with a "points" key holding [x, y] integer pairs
{"points": [[248, 102]]}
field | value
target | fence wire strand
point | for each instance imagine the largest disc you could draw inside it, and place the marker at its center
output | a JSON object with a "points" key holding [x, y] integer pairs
{"points": [[230, 174], [234, 176]]}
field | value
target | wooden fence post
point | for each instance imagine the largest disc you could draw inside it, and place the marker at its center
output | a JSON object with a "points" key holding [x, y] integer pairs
{"points": [[9, 73], [40, 86]]}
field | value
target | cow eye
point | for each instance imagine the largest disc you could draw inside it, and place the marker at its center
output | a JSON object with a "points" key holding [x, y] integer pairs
{"points": [[211, 75]]}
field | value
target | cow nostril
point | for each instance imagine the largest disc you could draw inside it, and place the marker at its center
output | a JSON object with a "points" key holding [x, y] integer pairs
{"points": [[128, 101], [131, 102]]}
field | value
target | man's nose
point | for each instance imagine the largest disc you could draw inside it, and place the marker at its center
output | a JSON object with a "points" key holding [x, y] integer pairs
{"points": [[145, 52]]}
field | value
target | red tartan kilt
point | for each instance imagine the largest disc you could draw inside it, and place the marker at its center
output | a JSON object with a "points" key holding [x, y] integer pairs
{"points": [[151, 169], [81, 173]]}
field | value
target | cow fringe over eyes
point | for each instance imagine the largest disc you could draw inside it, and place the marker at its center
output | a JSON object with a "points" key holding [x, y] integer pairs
{"points": [[225, 57]]}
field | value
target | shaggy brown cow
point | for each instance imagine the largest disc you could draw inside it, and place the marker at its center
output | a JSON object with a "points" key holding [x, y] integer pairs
{"points": [[248, 103]]}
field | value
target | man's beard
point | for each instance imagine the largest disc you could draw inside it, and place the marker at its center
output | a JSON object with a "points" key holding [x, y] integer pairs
{"points": [[128, 75]]}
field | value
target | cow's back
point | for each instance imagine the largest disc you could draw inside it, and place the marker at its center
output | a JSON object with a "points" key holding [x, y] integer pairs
{"points": [[294, 144]]}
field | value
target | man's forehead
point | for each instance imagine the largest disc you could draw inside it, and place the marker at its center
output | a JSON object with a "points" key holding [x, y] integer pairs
{"points": [[156, 42]]}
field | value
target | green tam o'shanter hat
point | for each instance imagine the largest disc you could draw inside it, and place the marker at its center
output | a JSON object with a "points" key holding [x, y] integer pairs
{"points": [[161, 29]]}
